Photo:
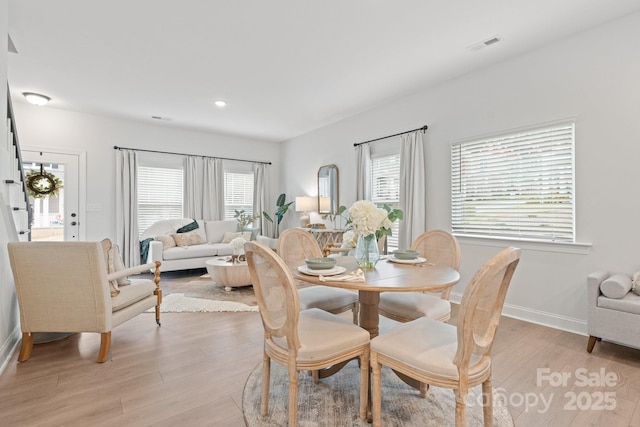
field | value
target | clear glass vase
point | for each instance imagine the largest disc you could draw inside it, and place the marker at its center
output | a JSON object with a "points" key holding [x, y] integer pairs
{"points": [[367, 253]]}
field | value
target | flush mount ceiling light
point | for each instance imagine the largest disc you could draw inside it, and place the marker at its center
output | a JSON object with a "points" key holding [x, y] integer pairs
{"points": [[36, 98], [220, 103]]}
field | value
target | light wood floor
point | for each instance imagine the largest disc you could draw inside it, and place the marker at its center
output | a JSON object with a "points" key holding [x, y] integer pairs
{"points": [[191, 372]]}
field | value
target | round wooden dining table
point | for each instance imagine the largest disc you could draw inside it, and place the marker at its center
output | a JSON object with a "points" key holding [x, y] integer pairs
{"points": [[387, 276]]}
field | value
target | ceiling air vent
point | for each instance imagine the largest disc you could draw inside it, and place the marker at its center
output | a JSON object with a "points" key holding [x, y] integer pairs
{"points": [[484, 43]]}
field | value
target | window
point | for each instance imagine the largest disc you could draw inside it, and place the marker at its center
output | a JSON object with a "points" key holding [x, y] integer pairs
{"points": [[159, 195], [518, 186], [238, 193], [385, 189]]}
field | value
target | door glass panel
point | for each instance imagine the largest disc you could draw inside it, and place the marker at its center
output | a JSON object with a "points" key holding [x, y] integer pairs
{"points": [[48, 211]]}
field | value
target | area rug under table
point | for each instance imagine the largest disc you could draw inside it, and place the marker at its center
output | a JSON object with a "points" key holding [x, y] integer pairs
{"points": [[334, 402]]}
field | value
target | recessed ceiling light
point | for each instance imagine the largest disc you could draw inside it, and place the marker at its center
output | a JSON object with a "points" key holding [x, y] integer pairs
{"points": [[220, 103], [36, 98]]}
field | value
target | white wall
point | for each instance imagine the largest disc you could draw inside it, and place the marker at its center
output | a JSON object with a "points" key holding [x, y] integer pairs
{"points": [[56, 129], [594, 77]]}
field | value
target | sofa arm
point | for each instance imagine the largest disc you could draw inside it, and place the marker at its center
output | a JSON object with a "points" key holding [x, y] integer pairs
{"points": [[593, 292], [155, 251]]}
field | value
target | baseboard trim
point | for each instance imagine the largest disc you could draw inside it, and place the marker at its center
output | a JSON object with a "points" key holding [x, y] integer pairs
{"points": [[9, 347], [543, 318]]}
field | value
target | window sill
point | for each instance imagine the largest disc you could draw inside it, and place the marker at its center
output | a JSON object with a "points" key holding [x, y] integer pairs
{"points": [[560, 247]]}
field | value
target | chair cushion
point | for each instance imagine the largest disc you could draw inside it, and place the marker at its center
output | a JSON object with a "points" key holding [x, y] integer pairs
{"points": [[413, 305], [424, 344], [325, 298], [323, 335], [616, 286], [139, 289]]}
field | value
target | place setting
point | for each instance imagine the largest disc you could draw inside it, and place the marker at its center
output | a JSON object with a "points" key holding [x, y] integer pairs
{"points": [[406, 256], [327, 270]]}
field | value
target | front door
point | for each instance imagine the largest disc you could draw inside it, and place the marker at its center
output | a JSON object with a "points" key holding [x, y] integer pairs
{"points": [[55, 216]]}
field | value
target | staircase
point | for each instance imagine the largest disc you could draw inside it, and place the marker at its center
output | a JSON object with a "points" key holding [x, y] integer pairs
{"points": [[15, 199]]}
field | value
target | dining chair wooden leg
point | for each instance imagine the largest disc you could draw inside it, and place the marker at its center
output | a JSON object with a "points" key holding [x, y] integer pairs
{"points": [[26, 348], [293, 396], [356, 313], [266, 375], [105, 345], [316, 376], [461, 409], [364, 385], [487, 403], [424, 388], [376, 392]]}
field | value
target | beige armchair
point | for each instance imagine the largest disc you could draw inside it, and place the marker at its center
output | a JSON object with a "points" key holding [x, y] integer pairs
{"points": [[64, 287]]}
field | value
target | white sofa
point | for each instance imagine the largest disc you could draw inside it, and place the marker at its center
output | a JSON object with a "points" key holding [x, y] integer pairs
{"points": [[613, 310], [215, 236]]}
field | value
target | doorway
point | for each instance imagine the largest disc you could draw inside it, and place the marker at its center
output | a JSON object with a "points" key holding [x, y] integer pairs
{"points": [[56, 216]]}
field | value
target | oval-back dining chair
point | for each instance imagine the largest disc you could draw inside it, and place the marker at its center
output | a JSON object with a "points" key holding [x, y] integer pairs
{"points": [[443, 355], [294, 246], [310, 339], [438, 247]]}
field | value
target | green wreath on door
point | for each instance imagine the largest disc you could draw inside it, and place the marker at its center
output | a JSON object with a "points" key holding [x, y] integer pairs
{"points": [[41, 184]]}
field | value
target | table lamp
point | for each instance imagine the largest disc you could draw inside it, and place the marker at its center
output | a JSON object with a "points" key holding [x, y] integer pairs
{"points": [[306, 204]]}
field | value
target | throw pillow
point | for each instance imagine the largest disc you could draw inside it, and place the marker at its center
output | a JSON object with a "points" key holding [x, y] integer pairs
{"points": [[635, 283], [228, 237], [189, 227], [616, 286], [167, 241], [118, 265], [114, 290], [187, 239]]}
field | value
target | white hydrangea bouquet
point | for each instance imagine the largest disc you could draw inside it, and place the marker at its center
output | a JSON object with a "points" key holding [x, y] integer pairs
{"points": [[238, 245], [369, 223]]}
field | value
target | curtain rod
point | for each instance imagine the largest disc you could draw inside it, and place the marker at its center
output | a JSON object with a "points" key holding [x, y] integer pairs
{"points": [[423, 129], [115, 147]]}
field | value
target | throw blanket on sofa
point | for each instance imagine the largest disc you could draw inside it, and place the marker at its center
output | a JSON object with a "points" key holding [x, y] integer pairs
{"points": [[144, 249]]}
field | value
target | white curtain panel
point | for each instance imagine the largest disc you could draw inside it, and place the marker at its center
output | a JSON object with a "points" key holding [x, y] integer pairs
{"points": [[213, 190], [260, 186], [413, 188], [193, 187], [127, 206], [363, 172]]}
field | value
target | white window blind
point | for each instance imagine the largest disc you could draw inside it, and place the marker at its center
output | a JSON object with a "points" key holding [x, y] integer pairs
{"points": [[385, 189], [518, 186], [238, 193], [159, 195]]}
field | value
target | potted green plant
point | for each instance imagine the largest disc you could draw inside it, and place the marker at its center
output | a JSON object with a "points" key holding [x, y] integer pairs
{"points": [[282, 208]]}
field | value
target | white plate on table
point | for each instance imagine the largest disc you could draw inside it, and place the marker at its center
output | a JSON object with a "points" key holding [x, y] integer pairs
{"points": [[327, 272], [418, 260]]}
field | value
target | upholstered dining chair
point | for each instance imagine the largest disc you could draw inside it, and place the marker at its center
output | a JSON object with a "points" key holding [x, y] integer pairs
{"points": [[310, 339], [294, 245], [438, 247], [448, 356], [65, 287]]}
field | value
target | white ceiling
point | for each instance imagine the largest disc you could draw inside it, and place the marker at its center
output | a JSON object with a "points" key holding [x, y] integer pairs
{"points": [[285, 67]]}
